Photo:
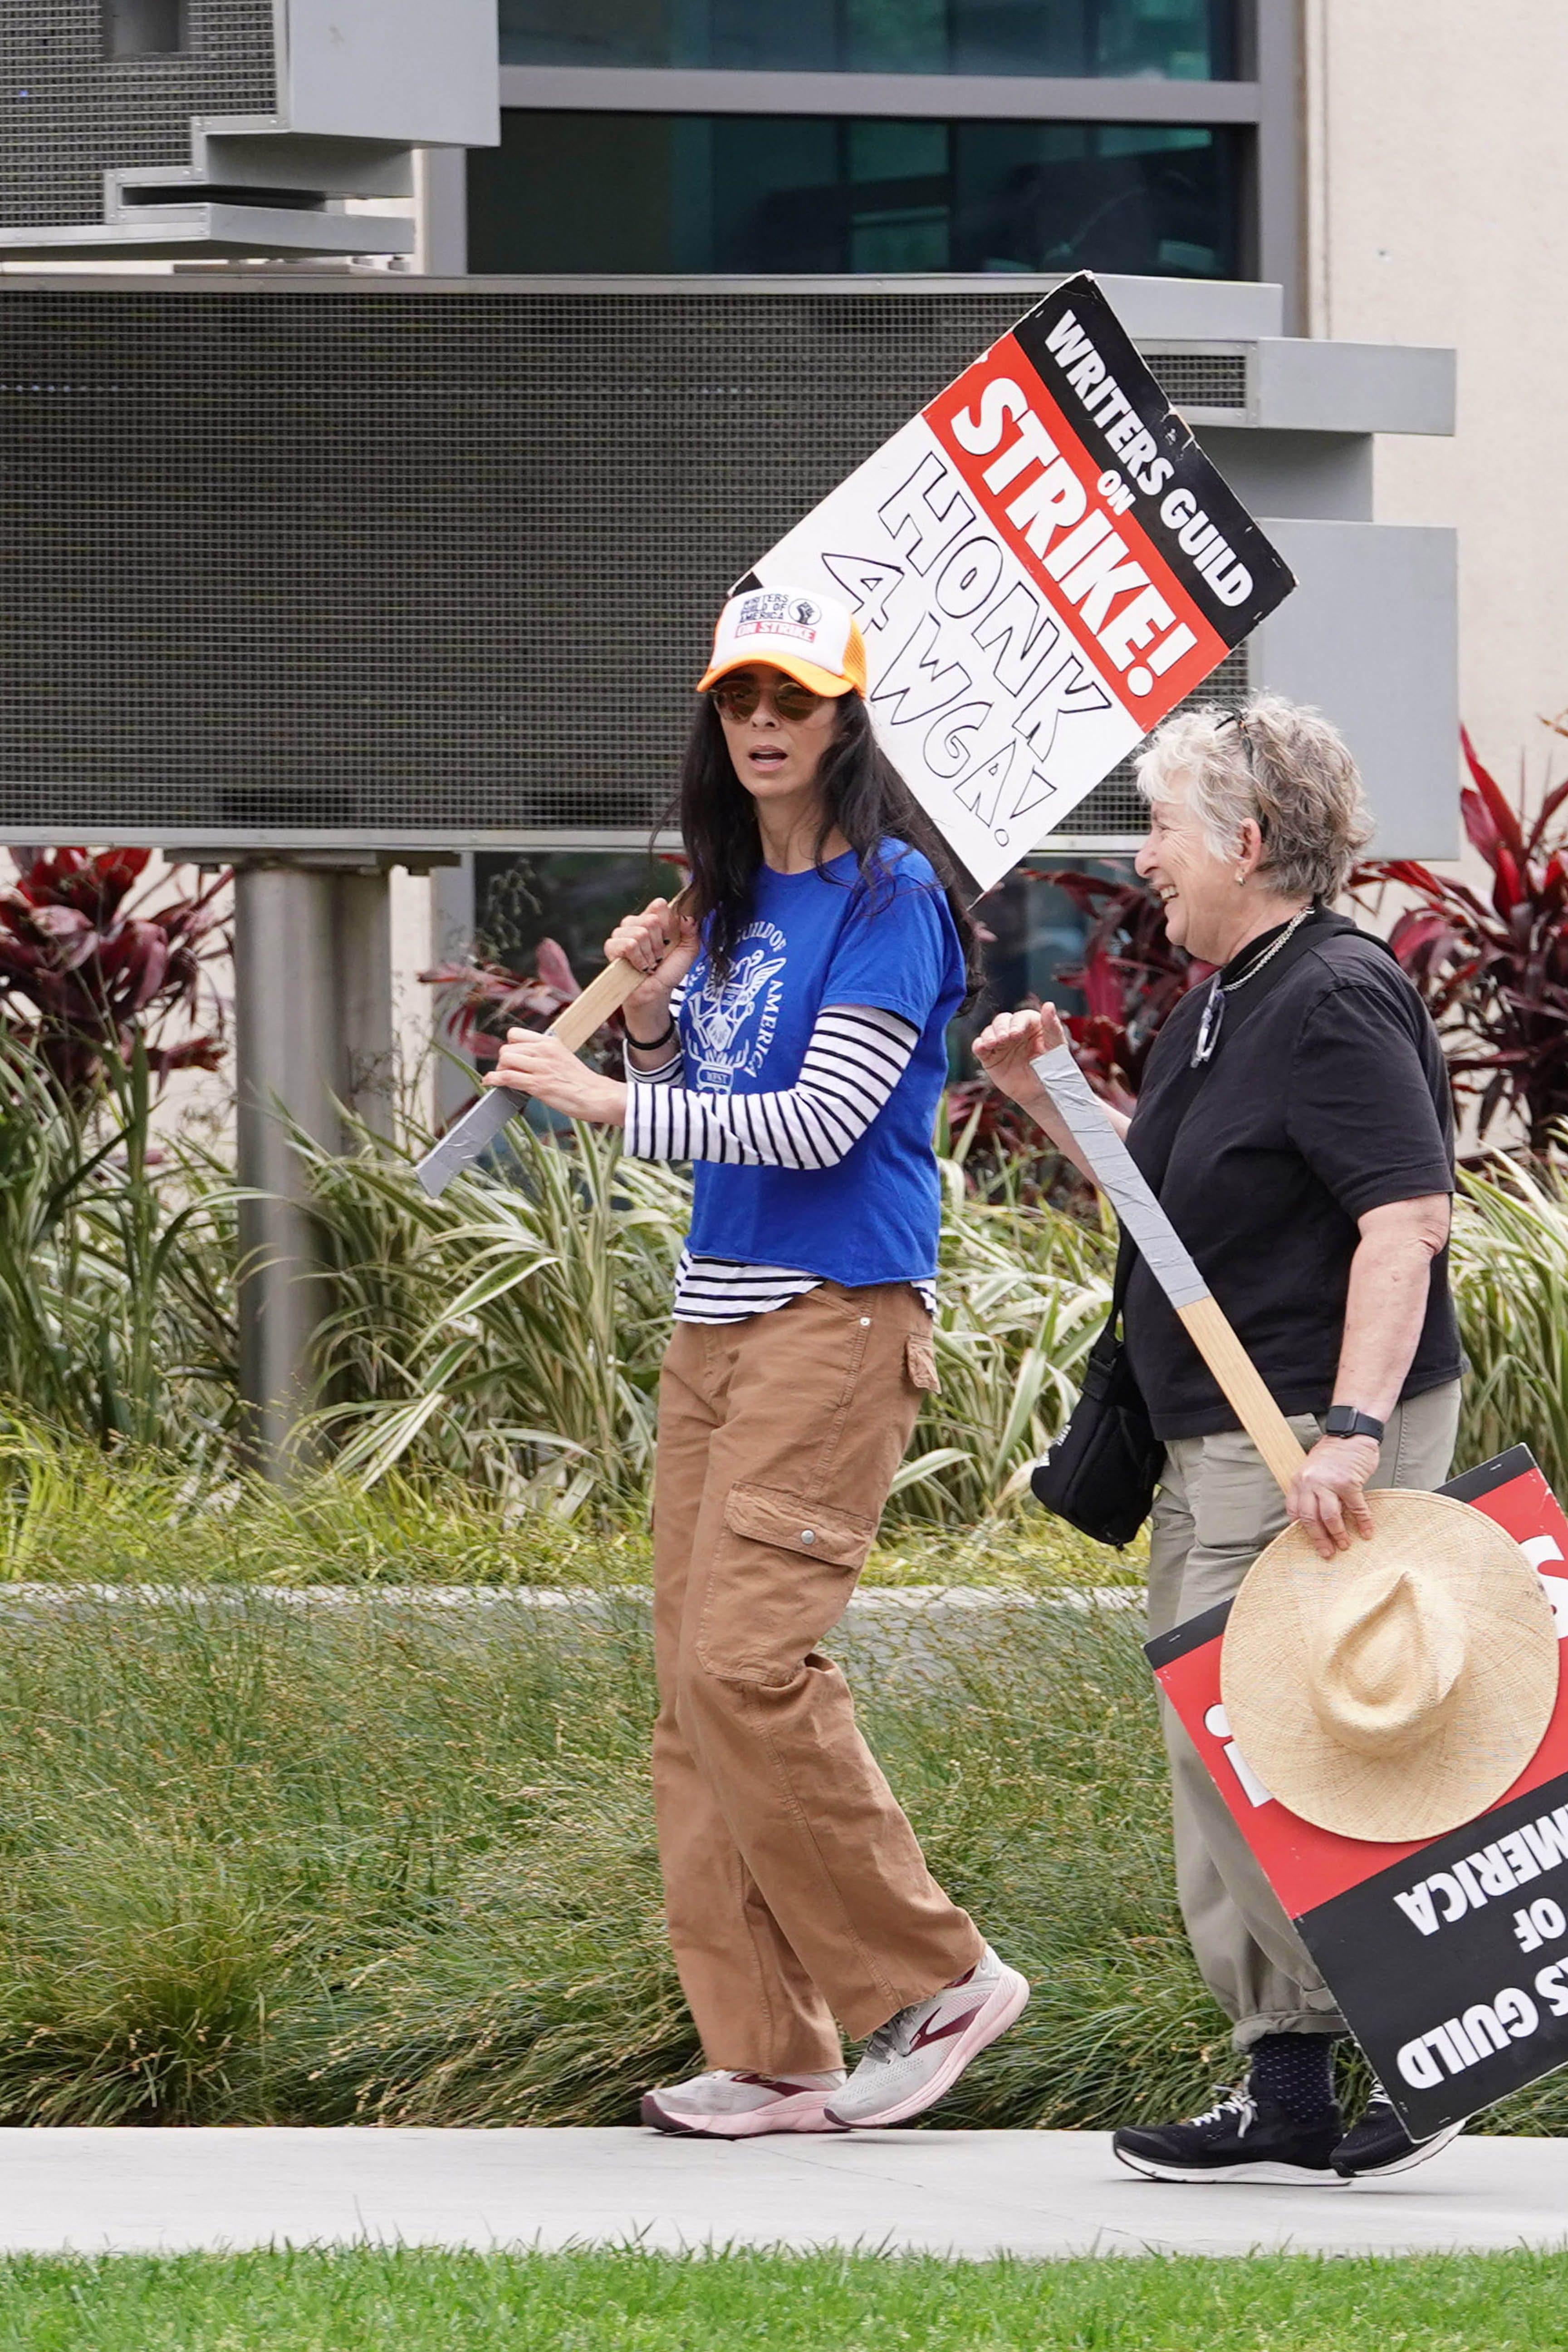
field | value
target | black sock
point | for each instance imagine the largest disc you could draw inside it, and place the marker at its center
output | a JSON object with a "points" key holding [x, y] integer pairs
{"points": [[1296, 2072]]}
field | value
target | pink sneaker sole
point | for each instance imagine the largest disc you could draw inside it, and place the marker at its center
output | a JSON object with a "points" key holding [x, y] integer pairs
{"points": [[1007, 2004], [806, 2114]]}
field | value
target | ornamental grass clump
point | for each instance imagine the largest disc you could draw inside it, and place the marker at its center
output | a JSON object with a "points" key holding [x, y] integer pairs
{"points": [[510, 1332], [503, 1342], [1510, 1290], [262, 1862], [117, 1314]]}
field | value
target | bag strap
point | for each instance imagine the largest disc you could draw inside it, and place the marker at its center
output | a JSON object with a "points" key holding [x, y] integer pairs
{"points": [[1106, 1342]]}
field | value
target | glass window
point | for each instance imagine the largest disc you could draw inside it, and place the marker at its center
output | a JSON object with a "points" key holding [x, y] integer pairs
{"points": [[1184, 39], [750, 195], [573, 896]]}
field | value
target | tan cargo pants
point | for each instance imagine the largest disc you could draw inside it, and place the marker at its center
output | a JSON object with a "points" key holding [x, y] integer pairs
{"points": [[795, 1889], [1217, 1508]]}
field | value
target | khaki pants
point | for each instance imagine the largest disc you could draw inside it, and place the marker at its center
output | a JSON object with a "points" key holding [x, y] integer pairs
{"points": [[1217, 1508], [794, 1890]]}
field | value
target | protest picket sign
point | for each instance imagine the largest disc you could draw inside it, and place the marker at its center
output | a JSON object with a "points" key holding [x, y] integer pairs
{"points": [[1447, 1957], [1042, 563]]}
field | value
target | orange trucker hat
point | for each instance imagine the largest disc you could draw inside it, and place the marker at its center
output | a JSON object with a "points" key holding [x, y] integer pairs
{"points": [[810, 637]]}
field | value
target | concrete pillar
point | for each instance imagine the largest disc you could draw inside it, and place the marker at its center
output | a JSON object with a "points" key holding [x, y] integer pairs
{"points": [[363, 928], [452, 920], [441, 211], [289, 1055]]}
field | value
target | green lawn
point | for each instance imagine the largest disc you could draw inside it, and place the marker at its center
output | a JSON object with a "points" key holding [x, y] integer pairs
{"points": [[631, 2301]]}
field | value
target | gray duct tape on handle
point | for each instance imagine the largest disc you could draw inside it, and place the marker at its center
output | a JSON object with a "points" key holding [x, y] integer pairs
{"points": [[465, 1139], [574, 1025], [1120, 1178]]}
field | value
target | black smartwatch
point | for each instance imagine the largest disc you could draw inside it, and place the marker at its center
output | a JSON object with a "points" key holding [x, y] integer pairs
{"points": [[1344, 1420]]}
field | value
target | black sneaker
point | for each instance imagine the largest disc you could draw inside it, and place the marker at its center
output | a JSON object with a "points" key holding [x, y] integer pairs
{"points": [[1239, 2138], [1380, 2142]]}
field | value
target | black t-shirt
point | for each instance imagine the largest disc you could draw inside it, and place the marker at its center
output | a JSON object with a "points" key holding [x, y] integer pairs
{"points": [[1327, 1096]]}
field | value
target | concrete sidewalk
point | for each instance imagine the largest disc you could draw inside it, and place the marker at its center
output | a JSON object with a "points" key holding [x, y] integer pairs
{"points": [[977, 2193]]}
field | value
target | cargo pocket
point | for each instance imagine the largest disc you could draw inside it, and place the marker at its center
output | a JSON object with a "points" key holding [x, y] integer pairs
{"points": [[920, 1362], [783, 1572]]}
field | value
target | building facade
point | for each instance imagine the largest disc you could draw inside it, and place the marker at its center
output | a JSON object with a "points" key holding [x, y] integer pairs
{"points": [[1169, 138], [1397, 179]]}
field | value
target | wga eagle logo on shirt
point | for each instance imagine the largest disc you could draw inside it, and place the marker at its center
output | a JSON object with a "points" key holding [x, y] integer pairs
{"points": [[733, 1025]]}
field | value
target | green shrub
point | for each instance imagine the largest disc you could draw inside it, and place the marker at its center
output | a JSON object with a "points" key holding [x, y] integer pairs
{"points": [[116, 1270], [1510, 1285], [260, 1863], [511, 1331], [504, 1338]]}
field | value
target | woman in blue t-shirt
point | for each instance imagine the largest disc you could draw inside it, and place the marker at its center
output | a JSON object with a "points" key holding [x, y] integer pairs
{"points": [[788, 1037]]}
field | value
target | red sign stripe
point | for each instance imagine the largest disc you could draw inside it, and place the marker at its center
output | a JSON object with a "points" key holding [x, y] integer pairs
{"points": [[1006, 359]]}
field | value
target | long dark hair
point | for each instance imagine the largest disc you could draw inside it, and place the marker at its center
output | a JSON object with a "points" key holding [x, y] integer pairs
{"points": [[863, 797]]}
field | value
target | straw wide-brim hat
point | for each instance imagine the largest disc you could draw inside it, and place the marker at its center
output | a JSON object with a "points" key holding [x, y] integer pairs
{"points": [[1395, 1691]]}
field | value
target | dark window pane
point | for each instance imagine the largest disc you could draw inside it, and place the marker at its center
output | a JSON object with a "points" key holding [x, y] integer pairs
{"points": [[753, 195], [573, 896], [1188, 40]]}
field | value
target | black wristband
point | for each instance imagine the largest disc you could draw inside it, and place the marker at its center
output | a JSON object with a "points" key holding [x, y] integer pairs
{"points": [[1346, 1421], [650, 1045]]}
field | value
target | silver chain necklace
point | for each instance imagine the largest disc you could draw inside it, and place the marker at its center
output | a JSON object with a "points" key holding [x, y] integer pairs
{"points": [[1214, 1009]]}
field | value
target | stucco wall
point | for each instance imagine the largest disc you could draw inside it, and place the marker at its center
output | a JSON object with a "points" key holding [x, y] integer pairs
{"points": [[1437, 212]]}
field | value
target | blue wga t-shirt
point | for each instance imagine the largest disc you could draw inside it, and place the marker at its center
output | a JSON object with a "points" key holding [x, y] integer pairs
{"points": [[815, 940]]}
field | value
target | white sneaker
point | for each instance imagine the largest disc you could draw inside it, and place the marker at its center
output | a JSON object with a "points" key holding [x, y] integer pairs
{"points": [[917, 2057], [726, 2105]]}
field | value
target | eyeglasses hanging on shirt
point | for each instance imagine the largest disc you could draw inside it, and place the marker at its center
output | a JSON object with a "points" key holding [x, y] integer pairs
{"points": [[1213, 1007]]}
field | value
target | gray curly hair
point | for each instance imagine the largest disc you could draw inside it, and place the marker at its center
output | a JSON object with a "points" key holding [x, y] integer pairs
{"points": [[1281, 764]]}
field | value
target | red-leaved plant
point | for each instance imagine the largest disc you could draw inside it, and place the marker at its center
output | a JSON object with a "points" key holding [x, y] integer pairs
{"points": [[1494, 977], [86, 969], [1132, 978], [489, 999]]}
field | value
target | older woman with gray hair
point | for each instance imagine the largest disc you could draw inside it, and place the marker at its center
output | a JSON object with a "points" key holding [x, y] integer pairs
{"points": [[1295, 1121]]}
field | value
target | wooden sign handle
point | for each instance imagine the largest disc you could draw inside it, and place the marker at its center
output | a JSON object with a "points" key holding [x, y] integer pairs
{"points": [[1242, 1386], [604, 994]]}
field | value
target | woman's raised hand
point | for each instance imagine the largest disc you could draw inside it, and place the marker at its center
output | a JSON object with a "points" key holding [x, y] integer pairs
{"points": [[662, 944], [1013, 1041]]}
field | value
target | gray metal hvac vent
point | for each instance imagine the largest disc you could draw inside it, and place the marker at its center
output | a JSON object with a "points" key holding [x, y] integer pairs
{"points": [[70, 113], [411, 566], [1201, 378]]}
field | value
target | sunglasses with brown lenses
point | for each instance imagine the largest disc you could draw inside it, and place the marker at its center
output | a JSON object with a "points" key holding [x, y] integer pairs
{"points": [[737, 698]]}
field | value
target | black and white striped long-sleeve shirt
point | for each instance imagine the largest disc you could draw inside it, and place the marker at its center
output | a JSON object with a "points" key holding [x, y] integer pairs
{"points": [[855, 1059]]}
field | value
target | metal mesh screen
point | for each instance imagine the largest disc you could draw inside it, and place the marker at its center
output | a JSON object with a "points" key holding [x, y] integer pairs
{"points": [[1201, 378], [405, 565], [71, 113]]}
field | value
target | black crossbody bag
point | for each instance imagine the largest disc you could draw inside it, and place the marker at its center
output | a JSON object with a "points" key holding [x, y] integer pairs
{"points": [[1102, 1473]]}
